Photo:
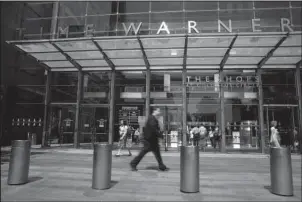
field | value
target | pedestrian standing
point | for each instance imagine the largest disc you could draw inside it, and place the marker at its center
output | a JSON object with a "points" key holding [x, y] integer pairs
{"points": [[151, 133], [125, 138]]}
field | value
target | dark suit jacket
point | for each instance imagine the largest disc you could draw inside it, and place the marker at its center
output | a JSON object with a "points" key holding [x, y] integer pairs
{"points": [[152, 130]]}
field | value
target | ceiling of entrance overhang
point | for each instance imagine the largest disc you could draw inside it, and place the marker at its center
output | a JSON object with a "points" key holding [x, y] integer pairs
{"points": [[167, 52]]}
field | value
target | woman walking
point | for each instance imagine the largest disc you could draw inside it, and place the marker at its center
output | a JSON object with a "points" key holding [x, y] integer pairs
{"points": [[125, 138]]}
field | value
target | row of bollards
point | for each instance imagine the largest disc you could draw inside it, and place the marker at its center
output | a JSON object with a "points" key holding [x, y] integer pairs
{"points": [[280, 167]]}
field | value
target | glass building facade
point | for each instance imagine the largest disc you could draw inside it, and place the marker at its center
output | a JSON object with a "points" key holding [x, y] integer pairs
{"points": [[232, 65]]}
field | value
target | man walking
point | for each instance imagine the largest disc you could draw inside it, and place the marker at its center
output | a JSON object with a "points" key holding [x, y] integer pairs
{"points": [[151, 133]]}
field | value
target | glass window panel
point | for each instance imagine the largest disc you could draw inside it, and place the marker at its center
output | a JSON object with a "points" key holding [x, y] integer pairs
{"points": [[296, 17], [203, 67], [283, 60], [174, 22], [92, 63], [171, 42], [123, 62], [296, 4], [124, 54], [86, 55], [49, 56], [72, 8], [97, 92], [271, 4], [36, 28], [155, 53], [64, 87], [38, 9], [288, 51], [136, 19], [235, 5], [76, 45], [165, 67], [168, 82], [166, 61], [71, 27], [166, 6], [130, 68], [241, 20], [218, 42], [292, 40], [96, 68], [256, 41], [278, 66], [271, 18], [37, 47], [59, 64], [102, 25], [204, 52], [204, 60], [134, 6], [203, 98], [64, 69], [119, 44], [206, 21], [279, 87], [243, 60], [249, 51], [240, 67], [195, 5], [99, 7]]}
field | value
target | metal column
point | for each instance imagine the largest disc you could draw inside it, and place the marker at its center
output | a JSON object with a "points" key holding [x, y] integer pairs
{"points": [[46, 109], [111, 107], [299, 96], [76, 140], [148, 78], [184, 106], [54, 21], [222, 119], [260, 111]]}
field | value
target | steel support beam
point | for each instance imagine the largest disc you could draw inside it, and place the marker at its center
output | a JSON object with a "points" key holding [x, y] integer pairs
{"points": [[111, 107], [144, 53], [77, 130], [184, 94], [261, 112], [222, 117], [147, 101], [271, 52], [184, 108], [72, 61], [299, 96], [106, 58], [45, 134], [227, 54], [54, 20]]}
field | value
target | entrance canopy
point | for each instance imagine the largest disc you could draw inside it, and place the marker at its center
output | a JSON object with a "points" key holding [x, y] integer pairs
{"points": [[167, 52]]}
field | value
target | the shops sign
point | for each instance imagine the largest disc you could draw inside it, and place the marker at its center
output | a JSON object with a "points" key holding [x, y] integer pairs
{"points": [[228, 81], [163, 28]]}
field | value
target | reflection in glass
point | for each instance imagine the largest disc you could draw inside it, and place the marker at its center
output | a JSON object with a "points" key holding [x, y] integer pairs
{"points": [[70, 8], [241, 20], [166, 87], [206, 21], [270, 19], [174, 22], [195, 5], [134, 6], [166, 6]]}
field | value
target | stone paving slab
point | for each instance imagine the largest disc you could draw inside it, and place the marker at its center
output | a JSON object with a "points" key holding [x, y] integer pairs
{"points": [[56, 176]]}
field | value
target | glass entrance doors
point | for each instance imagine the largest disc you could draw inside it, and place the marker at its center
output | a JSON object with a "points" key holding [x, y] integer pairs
{"points": [[171, 124], [62, 122], [287, 120], [94, 124]]}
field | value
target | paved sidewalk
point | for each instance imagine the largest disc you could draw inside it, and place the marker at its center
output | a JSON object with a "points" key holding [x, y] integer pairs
{"points": [[61, 176]]}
